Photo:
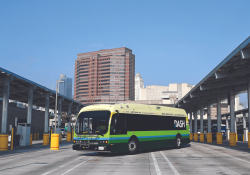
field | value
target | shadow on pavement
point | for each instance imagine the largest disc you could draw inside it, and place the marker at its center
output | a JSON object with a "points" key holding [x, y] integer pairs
{"points": [[241, 146], [108, 154]]}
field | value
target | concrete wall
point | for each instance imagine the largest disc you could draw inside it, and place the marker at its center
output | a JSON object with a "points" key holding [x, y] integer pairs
{"points": [[37, 122]]}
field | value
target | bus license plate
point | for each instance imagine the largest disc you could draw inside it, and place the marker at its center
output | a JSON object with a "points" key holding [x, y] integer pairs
{"points": [[100, 148]]}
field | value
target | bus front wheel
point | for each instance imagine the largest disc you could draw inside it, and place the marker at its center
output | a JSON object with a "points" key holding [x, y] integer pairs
{"points": [[178, 142], [133, 146]]}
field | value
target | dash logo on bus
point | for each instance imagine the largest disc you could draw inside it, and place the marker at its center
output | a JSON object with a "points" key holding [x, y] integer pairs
{"points": [[179, 123]]}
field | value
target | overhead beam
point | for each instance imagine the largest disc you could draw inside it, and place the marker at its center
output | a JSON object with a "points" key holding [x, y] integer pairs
{"points": [[197, 103], [208, 97], [223, 84], [245, 53], [232, 73], [239, 89]]}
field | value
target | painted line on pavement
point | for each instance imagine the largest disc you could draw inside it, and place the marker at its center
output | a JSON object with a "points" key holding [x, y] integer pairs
{"points": [[157, 169], [75, 166], [224, 154], [62, 165], [70, 162], [170, 164], [49, 172]]}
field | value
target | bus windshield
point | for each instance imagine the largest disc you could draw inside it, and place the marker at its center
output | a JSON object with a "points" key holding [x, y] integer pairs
{"points": [[93, 122]]}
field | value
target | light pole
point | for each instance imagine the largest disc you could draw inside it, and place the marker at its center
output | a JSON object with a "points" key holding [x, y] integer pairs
{"points": [[56, 117]]}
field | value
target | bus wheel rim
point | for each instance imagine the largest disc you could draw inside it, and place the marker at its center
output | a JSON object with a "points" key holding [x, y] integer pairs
{"points": [[178, 141], [131, 146]]}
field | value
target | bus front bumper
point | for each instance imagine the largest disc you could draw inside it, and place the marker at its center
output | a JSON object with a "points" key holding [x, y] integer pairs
{"points": [[91, 147]]}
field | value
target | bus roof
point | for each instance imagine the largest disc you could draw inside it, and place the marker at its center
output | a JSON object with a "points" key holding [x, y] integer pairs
{"points": [[137, 109]]}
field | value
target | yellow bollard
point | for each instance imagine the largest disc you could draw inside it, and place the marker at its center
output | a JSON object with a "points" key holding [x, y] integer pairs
{"points": [[248, 139], [209, 138], [243, 138], [236, 137], [232, 139], [191, 136], [54, 142], [45, 139], [196, 137], [37, 136], [219, 137], [72, 135], [12, 134], [34, 136], [31, 139], [3, 142], [68, 136], [201, 137]]}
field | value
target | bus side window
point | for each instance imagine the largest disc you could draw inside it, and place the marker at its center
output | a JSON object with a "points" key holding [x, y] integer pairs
{"points": [[120, 127], [146, 122], [166, 123], [156, 123], [133, 123]]}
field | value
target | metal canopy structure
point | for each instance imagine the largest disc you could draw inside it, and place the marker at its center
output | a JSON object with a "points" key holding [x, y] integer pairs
{"points": [[232, 74], [19, 88]]}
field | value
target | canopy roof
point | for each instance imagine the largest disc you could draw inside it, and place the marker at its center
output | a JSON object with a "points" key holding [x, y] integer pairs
{"points": [[233, 72]]}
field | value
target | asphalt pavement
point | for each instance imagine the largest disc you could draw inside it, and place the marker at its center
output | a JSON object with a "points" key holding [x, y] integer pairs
{"points": [[194, 158]]}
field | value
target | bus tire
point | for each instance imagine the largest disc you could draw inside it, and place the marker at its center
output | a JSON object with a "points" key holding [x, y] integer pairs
{"points": [[178, 142], [133, 146]]}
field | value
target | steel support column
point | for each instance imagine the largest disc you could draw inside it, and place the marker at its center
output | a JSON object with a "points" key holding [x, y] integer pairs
{"points": [[77, 108], [59, 112], [227, 128], [69, 123], [6, 92], [4, 135], [218, 115], [245, 128], [201, 125], [191, 125], [195, 126], [232, 140], [248, 101], [218, 134], [46, 121], [30, 104], [208, 117]]}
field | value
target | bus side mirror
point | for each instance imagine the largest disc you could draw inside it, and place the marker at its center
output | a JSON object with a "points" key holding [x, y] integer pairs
{"points": [[77, 127]]}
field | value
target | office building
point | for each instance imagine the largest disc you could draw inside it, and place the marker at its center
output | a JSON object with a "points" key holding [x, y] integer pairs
{"points": [[65, 86], [105, 76], [163, 94]]}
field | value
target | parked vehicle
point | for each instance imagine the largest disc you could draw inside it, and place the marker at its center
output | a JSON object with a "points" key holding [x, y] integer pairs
{"points": [[214, 131], [63, 132]]}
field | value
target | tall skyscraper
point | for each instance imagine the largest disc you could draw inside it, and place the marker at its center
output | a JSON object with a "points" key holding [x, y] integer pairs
{"points": [[139, 83], [105, 76], [65, 87]]}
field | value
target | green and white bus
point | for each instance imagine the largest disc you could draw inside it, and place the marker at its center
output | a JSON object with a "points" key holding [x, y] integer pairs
{"points": [[131, 128]]}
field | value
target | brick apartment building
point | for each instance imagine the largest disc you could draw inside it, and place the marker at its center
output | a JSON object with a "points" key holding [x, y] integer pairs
{"points": [[105, 76]]}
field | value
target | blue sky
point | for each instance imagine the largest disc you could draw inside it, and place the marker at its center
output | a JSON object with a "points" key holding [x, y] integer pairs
{"points": [[173, 41]]}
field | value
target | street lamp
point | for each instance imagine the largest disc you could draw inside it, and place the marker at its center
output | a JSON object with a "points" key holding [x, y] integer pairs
{"points": [[56, 116]]}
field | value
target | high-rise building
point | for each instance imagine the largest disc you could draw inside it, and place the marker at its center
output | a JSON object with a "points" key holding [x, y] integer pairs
{"points": [[65, 86], [139, 83], [105, 76]]}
